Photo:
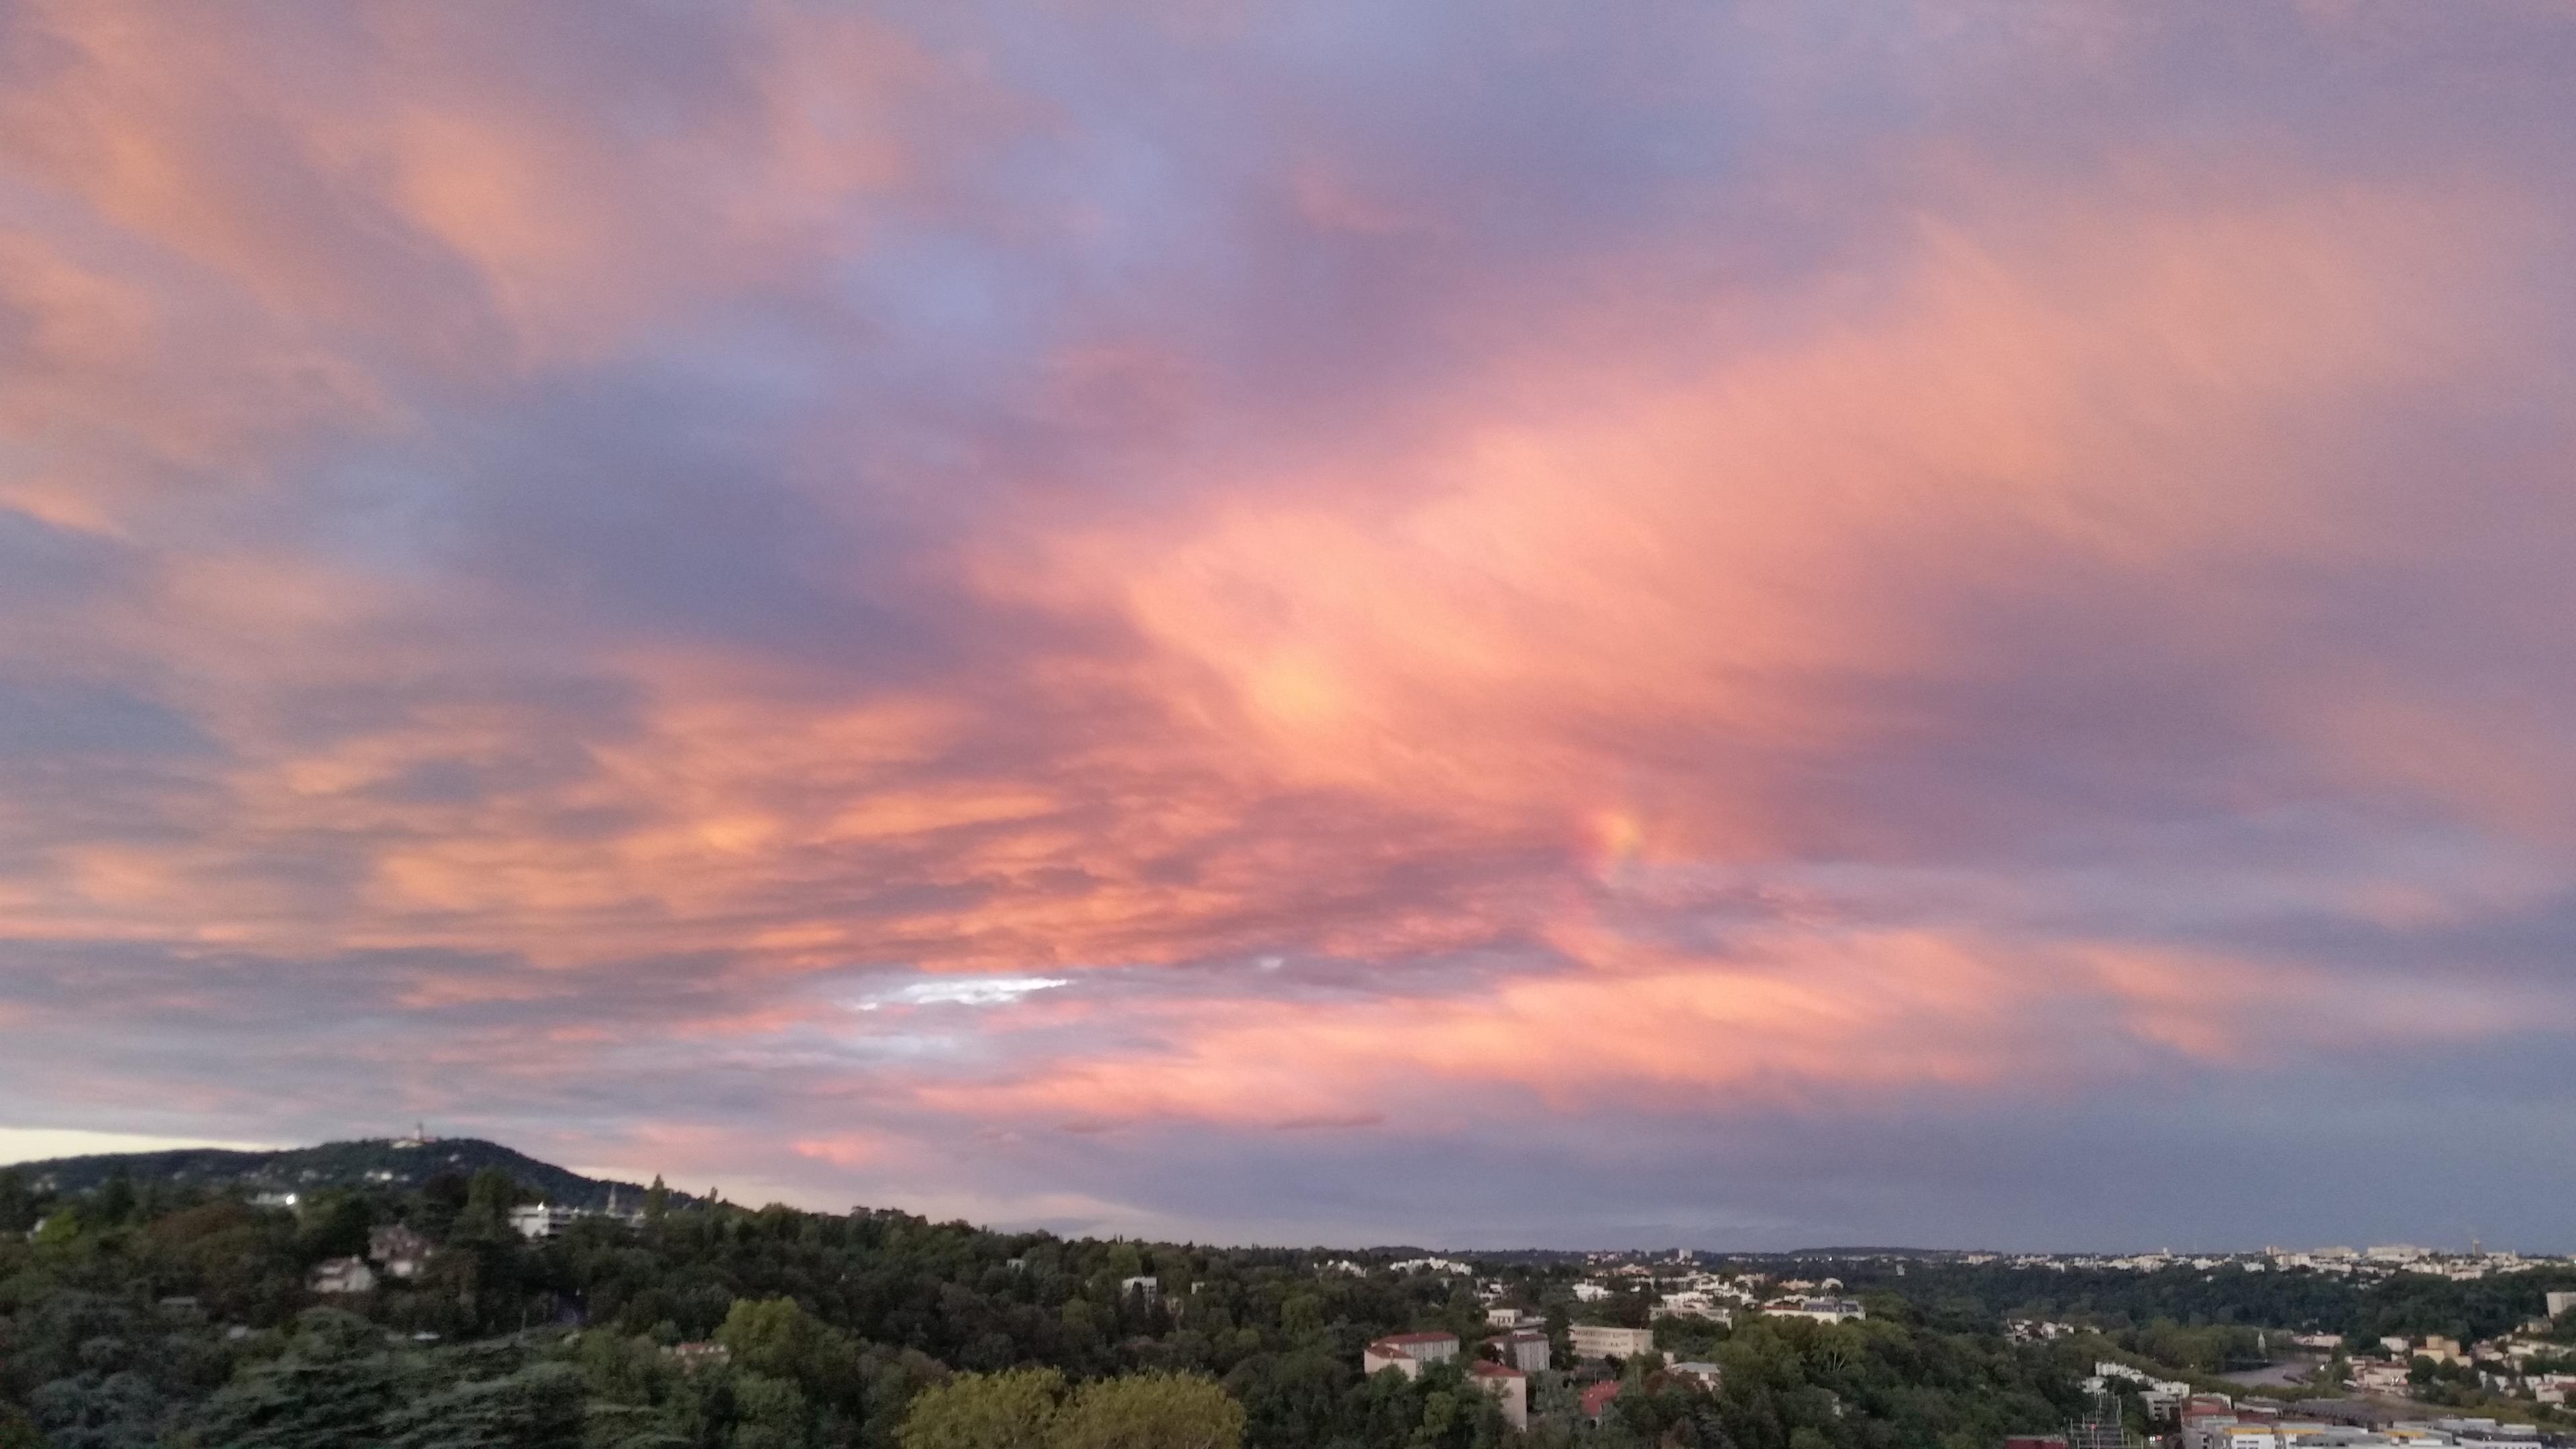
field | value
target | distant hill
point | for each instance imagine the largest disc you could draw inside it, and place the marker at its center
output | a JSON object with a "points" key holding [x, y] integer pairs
{"points": [[382, 1161]]}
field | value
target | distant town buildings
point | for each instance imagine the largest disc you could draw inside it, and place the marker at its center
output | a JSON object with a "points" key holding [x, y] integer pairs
{"points": [[2271, 1428], [1695, 1303], [2036, 1330], [2518, 1365]]}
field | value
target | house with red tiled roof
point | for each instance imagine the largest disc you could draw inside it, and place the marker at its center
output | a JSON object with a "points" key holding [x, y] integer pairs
{"points": [[1509, 1386], [1596, 1399]]}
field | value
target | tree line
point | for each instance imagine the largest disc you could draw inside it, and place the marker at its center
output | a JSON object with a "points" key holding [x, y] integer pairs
{"points": [[153, 1315]]}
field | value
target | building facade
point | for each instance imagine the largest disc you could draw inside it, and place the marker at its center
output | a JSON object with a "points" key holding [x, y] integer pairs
{"points": [[1510, 1388], [1593, 1340], [1408, 1352]]}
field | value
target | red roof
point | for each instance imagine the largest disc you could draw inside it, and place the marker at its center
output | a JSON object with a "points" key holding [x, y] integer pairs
{"points": [[1484, 1370], [1598, 1397]]}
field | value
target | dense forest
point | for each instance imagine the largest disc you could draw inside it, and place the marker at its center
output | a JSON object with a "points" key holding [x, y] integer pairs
{"points": [[177, 1313]]}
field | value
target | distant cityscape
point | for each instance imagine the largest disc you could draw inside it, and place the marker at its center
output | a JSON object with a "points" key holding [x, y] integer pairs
{"points": [[1682, 1286]]}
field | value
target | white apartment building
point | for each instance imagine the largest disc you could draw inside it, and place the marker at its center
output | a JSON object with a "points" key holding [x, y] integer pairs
{"points": [[542, 1220], [1408, 1352], [1523, 1348], [1822, 1310], [1695, 1304], [1593, 1340]]}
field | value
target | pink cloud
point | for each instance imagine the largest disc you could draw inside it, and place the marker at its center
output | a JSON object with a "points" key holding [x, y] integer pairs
{"points": [[1561, 581]]}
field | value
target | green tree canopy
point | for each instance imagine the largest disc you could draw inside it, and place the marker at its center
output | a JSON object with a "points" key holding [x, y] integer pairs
{"points": [[1149, 1411], [1015, 1409]]}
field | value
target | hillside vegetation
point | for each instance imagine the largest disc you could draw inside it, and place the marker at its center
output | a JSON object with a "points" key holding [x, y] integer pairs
{"points": [[163, 1307]]}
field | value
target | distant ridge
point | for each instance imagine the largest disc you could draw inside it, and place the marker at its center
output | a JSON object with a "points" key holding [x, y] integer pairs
{"points": [[388, 1162]]}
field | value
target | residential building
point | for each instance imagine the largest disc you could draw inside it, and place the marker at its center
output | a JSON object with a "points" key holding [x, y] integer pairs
{"points": [[701, 1354], [1593, 1340], [1523, 1348], [2206, 1431], [342, 1275], [1695, 1304], [1597, 1399], [2207, 1406], [1509, 1317], [2559, 1303], [399, 1249], [1823, 1310], [1699, 1371], [542, 1220], [2488, 1434], [1408, 1352], [1509, 1386], [1144, 1284]]}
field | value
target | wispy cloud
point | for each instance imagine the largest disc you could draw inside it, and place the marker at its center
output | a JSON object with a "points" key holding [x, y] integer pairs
{"points": [[968, 991]]}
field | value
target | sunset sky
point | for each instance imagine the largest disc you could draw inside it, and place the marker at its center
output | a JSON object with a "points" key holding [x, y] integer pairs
{"points": [[1457, 623]]}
